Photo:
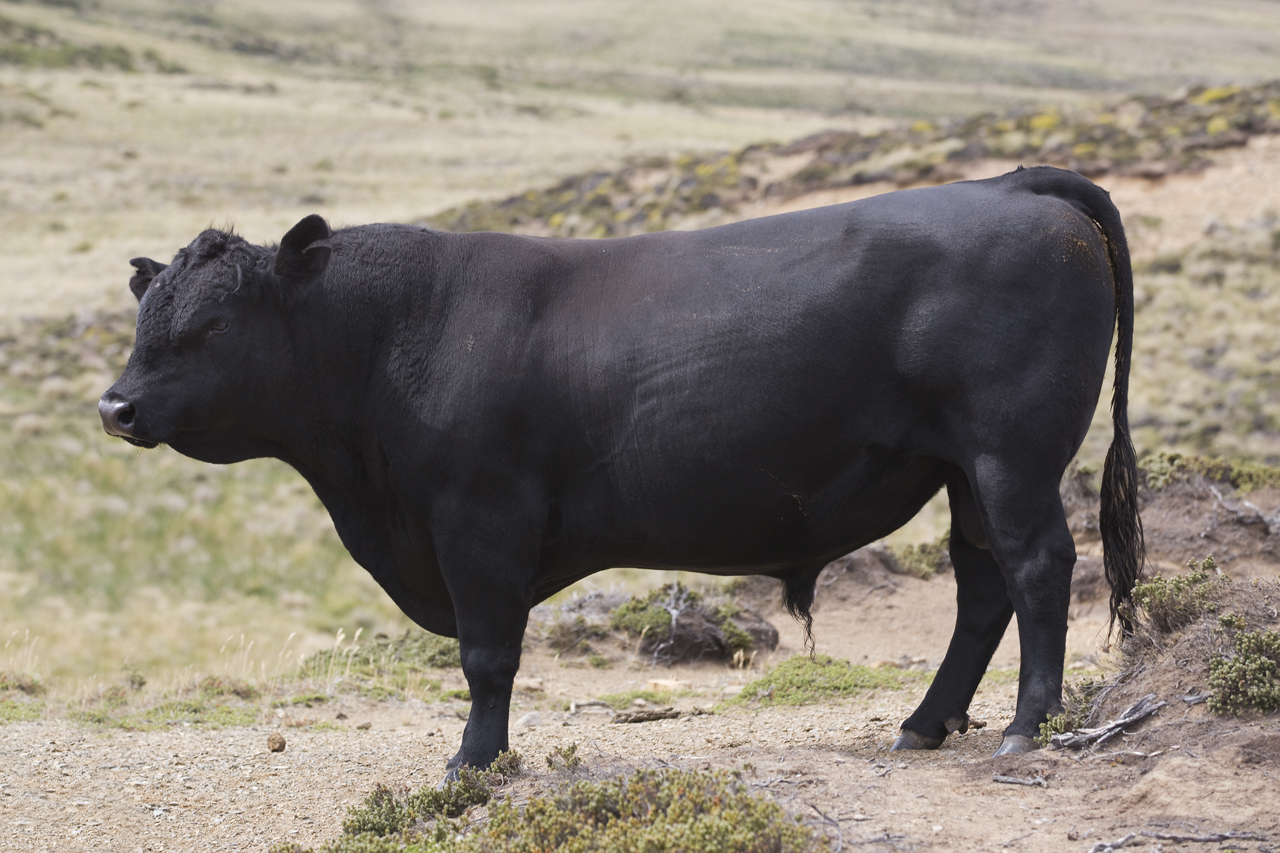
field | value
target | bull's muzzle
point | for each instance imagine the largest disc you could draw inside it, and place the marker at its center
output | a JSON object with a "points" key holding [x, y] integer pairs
{"points": [[118, 415]]}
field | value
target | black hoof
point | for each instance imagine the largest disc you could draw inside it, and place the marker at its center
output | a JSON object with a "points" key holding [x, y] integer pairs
{"points": [[450, 776], [910, 740], [957, 724], [1016, 745]]}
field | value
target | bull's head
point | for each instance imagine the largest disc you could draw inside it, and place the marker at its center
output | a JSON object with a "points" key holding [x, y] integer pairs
{"points": [[212, 355]]}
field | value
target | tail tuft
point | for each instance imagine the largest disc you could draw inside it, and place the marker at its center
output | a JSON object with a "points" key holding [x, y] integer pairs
{"points": [[797, 595]]}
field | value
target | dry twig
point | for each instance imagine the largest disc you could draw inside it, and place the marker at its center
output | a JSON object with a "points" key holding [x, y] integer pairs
{"points": [[1033, 781], [1140, 710]]}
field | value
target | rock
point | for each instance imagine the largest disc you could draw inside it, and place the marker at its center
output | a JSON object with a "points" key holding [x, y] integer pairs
{"points": [[364, 727], [731, 691], [762, 633], [275, 742], [666, 685], [532, 718]]}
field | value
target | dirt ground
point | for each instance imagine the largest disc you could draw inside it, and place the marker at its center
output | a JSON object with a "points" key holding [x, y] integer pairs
{"points": [[71, 787], [67, 787]]}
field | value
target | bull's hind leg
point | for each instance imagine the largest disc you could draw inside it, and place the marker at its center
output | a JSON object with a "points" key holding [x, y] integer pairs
{"points": [[1029, 538], [983, 610]]}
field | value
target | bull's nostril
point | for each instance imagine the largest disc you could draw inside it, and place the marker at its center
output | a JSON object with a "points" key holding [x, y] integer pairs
{"points": [[118, 415]]}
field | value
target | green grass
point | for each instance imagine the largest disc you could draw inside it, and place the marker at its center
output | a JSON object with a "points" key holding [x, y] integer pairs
{"points": [[117, 536], [14, 711], [198, 710], [624, 700], [1000, 676], [804, 681]]}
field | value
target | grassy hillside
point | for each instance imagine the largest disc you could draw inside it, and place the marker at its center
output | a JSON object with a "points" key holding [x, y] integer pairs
{"points": [[125, 127], [128, 126]]}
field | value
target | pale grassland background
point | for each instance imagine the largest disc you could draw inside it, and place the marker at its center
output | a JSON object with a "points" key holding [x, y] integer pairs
{"points": [[255, 115]]}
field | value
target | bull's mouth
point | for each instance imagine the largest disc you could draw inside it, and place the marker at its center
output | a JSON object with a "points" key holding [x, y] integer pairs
{"points": [[140, 442]]}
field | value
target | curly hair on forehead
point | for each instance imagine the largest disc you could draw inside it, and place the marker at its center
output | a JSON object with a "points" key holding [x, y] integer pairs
{"points": [[214, 243]]}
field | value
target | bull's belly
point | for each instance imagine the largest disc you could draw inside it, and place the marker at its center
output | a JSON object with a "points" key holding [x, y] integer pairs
{"points": [[732, 530]]}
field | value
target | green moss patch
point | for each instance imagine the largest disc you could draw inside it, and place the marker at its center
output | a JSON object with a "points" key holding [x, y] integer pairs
{"points": [[16, 711], [803, 681]]}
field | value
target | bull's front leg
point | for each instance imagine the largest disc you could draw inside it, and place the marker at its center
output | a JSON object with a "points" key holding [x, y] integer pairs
{"points": [[489, 572], [490, 644]]}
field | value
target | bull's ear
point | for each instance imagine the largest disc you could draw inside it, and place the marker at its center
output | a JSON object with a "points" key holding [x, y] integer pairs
{"points": [[147, 269], [303, 255]]}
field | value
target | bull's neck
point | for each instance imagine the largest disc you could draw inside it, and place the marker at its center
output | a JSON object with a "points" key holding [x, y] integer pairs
{"points": [[349, 340]]}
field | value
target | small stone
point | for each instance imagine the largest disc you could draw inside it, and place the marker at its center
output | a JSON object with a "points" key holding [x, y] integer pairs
{"points": [[275, 742], [532, 718], [731, 690], [364, 727]]}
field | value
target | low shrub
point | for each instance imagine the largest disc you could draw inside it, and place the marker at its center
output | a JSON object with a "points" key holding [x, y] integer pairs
{"points": [[674, 623], [647, 810], [1165, 605], [21, 682], [1163, 468], [1248, 680], [926, 559]]}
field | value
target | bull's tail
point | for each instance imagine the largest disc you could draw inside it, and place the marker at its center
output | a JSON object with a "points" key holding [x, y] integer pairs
{"points": [[1123, 549]]}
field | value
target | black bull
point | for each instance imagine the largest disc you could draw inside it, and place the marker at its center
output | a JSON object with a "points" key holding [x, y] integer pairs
{"points": [[489, 418]]}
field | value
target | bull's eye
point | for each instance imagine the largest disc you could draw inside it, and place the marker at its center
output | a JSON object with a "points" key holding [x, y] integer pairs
{"points": [[217, 327]]}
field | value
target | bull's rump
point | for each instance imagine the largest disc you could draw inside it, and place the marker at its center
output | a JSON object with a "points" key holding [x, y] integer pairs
{"points": [[782, 389]]}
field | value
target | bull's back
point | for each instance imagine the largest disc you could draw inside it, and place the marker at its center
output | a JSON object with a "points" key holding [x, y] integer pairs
{"points": [[801, 381]]}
